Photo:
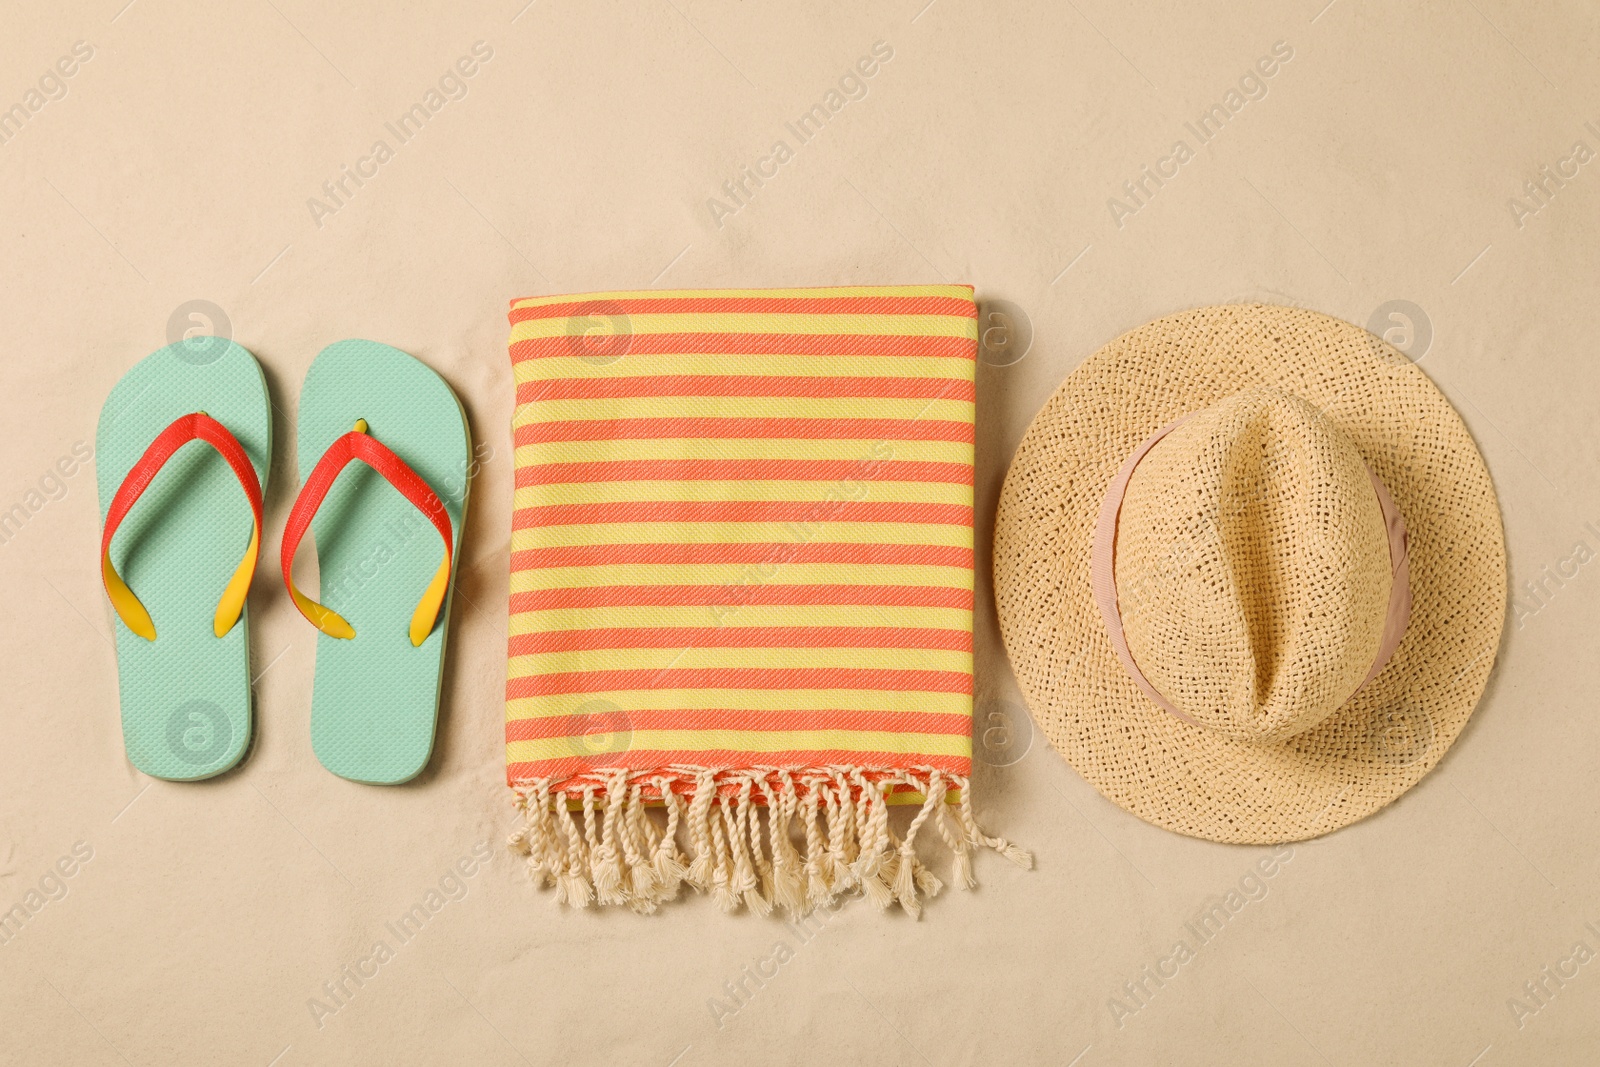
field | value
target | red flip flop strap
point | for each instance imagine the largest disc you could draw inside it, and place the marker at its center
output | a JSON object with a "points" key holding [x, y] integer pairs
{"points": [[363, 446], [185, 428]]}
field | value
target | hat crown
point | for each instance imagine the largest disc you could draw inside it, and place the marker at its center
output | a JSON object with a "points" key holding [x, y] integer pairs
{"points": [[1252, 566]]}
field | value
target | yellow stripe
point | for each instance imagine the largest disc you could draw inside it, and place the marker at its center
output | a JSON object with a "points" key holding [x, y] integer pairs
{"points": [[601, 715], [534, 622], [547, 748], [738, 575], [697, 533], [749, 407], [649, 365], [801, 324], [823, 494], [957, 292], [543, 707], [661, 659], [745, 448]]}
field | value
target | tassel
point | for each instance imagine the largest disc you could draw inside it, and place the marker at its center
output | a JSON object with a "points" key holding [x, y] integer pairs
{"points": [[905, 881], [817, 891], [517, 841], [702, 870], [535, 838], [788, 890], [872, 828], [956, 840], [758, 870], [642, 886], [744, 883], [840, 837], [670, 870], [604, 863], [596, 840], [572, 884], [905, 884], [975, 835], [546, 846], [722, 877]]}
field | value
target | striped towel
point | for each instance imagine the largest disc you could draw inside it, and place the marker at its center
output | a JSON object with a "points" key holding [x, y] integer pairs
{"points": [[741, 579]]}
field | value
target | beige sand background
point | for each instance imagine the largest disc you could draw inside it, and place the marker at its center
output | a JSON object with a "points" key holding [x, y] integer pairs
{"points": [[1380, 161]]}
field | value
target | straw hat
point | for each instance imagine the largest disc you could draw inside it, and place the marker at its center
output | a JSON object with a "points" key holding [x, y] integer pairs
{"points": [[1300, 567]]}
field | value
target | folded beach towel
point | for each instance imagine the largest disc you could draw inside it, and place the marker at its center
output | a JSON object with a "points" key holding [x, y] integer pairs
{"points": [[741, 579]]}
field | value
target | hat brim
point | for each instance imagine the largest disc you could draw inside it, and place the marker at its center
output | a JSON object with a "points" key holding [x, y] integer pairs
{"points": [[1190, 779]]}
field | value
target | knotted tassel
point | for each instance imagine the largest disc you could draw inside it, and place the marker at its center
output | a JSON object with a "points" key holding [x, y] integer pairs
{"points": [[669, 865]]}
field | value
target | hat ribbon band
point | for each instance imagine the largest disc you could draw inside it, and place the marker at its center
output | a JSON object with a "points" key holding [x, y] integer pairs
{"points": [[1102, 572]]}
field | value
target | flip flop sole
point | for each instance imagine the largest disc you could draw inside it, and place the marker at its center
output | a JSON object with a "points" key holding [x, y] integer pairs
{"points": [[186, 695], [374, 705]]}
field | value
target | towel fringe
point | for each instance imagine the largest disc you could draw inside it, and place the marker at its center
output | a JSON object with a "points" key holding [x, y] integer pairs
{"points": [[591, 837]]}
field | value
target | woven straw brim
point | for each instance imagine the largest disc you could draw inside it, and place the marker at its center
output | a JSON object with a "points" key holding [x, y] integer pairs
{"points": [[1196, 781]]}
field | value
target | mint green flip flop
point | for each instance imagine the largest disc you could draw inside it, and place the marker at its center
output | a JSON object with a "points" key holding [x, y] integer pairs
{"points": [[181, 453], [388, 534]]}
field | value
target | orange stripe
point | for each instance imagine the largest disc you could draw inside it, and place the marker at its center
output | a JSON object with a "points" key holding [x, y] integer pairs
{"points": [[687, 637], [684, 786], [795, 760], [734, 428], [741, 511], [888, 722], [875, 679], [745, 385], [621, 596], [751, 305], [745, 470], [752, 344], [721, 552], [575, 782]]}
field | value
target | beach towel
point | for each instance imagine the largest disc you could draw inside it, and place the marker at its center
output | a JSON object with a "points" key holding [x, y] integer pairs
{"points": [[742, 583]]}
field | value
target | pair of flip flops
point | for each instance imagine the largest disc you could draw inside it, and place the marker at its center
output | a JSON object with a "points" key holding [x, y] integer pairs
{"points": [[182, 453]]}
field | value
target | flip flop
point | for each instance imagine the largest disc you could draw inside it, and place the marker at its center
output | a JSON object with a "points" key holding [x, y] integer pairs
{"points": [[181, 453], [387, 534]]}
